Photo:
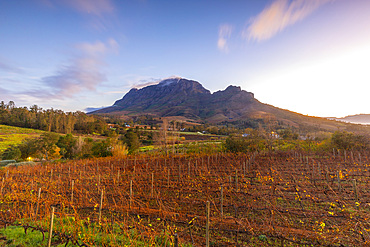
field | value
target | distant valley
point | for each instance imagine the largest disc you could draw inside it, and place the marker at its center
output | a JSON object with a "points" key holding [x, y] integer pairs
{"points": [[356, 119]]}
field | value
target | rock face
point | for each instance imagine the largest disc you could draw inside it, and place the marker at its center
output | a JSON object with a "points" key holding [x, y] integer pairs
{"points": [[171, 97], [188, 98]]}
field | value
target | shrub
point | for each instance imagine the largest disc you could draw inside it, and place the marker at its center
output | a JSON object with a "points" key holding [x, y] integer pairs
{"points": [[237, 144]]}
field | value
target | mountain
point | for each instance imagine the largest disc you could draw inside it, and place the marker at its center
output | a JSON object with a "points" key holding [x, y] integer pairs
{"points": [[356, 119], [189, 99]]}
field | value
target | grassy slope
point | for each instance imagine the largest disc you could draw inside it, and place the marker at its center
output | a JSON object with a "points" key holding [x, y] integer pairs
{"points": [[10, 135]]}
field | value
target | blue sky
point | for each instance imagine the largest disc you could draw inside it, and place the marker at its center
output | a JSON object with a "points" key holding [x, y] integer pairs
{"points": [[308, 56]]}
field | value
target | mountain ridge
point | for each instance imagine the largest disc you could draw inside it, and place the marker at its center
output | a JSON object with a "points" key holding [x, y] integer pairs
{"points": [[188, 98], [179, 97]]}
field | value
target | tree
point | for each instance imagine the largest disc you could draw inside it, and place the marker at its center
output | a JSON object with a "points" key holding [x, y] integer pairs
{"points": [[131, 139], [349, 141], [48, 144], [67, 144], [29, 148], [102, 148], [238, 144], [86, 149], [287, 134], [11, 153]]}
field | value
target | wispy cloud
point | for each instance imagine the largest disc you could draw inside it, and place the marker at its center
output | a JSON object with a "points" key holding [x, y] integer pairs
{"points": [[98, 12], [83, 72], [3, 92], [142, 84], [98, 48], [279, 15], [94, 7], [224, 33], [9, 68]]}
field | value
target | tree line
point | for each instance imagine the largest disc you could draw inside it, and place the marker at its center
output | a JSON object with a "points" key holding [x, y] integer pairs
{"points": [[283, 140], [51, 120], [53, 146]]}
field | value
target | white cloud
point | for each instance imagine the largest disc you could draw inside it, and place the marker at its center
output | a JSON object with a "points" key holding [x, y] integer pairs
{"points": [[98, 48], [279, 15], [224, 33], [83, 72]]}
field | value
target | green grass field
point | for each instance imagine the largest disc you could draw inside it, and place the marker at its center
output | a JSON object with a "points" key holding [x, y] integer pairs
{"points": [[10, 135]]}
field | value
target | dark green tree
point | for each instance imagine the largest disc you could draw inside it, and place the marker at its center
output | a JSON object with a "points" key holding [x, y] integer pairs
{"points": [[11, 153], [29, 148], [131, 139], [102, 148], [66, 144], [349, 141], [48, 144]]}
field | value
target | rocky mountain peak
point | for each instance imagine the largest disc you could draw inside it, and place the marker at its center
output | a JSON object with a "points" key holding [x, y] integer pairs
{"points": [[169, 81], [182, 97]]}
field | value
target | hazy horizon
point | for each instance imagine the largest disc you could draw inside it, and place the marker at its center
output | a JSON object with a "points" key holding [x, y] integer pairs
{"points": [[307, 56]]}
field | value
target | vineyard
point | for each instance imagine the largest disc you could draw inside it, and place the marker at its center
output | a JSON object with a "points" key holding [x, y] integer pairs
{"points": [[220, 199]]}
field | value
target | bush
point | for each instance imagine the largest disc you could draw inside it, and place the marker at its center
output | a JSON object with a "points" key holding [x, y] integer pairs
{"points": [[11, 153], [348, 141], [131, 139], [238, 144]]}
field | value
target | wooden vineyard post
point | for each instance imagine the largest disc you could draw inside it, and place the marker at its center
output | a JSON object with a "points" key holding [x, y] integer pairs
{"points": [[356, 193], [359, 156], [345, 156], [168, 177], [51, 175], [130, 194], [339, 186], [2, 185], [175, 240], [179, 172], [189, 169], [152, 188], [38, 203], [72, 185], [196, 167], [222, 200], [334, 152], [313, 174], [51, 226], [207, 224], [101, 204], [236, 216], [236, 179]]}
